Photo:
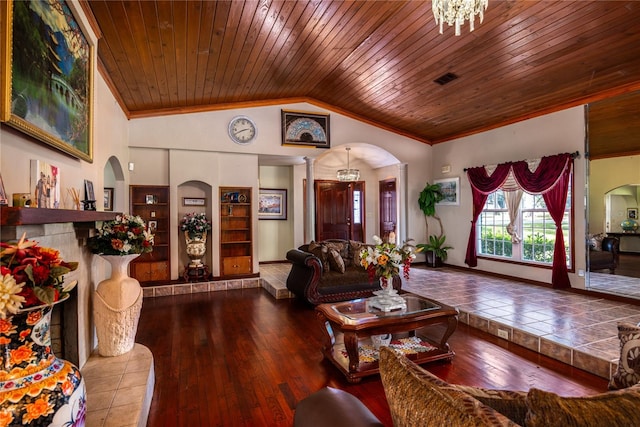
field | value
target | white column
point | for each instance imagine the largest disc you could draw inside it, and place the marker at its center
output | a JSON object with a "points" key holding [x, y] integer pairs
{"points": [[403, 200], [310, 208]]}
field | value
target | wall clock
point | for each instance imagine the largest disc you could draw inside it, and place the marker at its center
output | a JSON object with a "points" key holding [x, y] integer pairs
{"points": [[242, 130]]}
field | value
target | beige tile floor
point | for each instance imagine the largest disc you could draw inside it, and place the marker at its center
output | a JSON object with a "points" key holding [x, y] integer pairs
{"points": [[577, 329], [119, 388]]}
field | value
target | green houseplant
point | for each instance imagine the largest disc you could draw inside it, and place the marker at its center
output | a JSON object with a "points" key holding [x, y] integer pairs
{"points": [[435, 250]]}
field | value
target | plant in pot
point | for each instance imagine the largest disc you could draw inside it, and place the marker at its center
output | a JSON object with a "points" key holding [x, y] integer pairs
{"points": [[435, 250]]}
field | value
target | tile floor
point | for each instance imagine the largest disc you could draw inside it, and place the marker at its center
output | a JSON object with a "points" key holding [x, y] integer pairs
{"points": [[577, 329], [119, 388]]}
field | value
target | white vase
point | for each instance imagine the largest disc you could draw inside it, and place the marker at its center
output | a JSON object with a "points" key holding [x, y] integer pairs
{"points": [[117, 306], [196, 248]]}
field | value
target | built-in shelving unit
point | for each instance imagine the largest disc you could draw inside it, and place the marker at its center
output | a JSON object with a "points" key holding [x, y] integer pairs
{"points": [[236, 242], [151, 203]]}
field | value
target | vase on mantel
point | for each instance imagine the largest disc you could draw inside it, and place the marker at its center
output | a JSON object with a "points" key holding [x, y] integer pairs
{"points": [[117, 306], [196, 248], [37, 388]]}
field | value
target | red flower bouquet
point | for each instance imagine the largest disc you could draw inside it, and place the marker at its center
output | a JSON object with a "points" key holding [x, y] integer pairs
{"points": [[31, 275]]}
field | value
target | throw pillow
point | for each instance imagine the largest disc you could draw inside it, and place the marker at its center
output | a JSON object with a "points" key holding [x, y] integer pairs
{"points": [[341, 247], [418, 398], [335, 261], [628, 372], [615, 408], [322, 253], [356, 248]]}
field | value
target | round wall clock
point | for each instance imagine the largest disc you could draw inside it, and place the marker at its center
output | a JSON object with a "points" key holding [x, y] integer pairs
{"points": [[242, 130]]}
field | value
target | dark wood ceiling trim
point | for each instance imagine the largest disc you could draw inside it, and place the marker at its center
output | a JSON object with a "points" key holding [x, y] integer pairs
{"points": [[86, 9], [613, 155]]}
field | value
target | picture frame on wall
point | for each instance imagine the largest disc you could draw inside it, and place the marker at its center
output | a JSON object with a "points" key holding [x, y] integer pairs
{"points": [[194, 201], [305, 129], [272, 204], [108, 198], [451, 189], [632, 213], [48, 82]]}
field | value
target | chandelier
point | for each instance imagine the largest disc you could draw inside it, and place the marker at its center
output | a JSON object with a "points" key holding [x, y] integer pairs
{"points": [[455, 12], [348, 174]]}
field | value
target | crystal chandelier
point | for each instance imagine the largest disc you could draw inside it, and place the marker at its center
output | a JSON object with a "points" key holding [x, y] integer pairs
{"points": [[455, 12], [348, 174]]}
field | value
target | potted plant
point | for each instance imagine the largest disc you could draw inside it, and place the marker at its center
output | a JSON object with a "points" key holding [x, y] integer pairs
{"points": [[434, 250]]}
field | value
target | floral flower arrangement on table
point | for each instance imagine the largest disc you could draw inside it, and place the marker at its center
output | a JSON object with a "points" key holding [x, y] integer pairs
{"points": [[385, 259], [32, 275], [125, 235], [195, 224]]}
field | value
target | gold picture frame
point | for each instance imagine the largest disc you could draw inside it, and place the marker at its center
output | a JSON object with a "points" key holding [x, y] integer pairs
{"points": [[47, 87]]}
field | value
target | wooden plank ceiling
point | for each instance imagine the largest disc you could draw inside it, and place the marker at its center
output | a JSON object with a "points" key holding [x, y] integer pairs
{"points": [[372, 60]]}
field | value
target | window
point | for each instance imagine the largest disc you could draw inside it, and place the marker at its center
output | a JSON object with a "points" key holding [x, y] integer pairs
{"points": [[534, 226]]}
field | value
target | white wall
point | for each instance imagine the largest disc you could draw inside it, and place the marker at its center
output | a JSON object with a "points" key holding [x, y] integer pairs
{"points": [[555, 133], [110, 138], [605, 175], [276, 236], [201, 134]]}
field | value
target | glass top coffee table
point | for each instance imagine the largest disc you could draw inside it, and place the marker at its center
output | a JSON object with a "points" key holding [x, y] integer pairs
{"points": [[350, 328]]}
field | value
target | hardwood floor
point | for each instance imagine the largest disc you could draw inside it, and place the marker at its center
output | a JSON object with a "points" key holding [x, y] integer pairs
{"points": [[243, 358]]}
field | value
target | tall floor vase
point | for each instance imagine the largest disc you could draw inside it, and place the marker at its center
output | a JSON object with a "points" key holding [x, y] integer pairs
{"points": [[116, 308], [37, 388]]}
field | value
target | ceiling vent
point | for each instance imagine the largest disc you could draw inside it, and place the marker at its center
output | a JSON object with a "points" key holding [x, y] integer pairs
{"points": [[445, 78]]}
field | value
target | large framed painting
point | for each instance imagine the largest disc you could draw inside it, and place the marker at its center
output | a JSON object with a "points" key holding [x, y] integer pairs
{"points": [[306, 129], [272, 203], [47, 75]]}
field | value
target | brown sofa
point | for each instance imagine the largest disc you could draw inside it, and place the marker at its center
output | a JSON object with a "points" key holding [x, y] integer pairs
{"points": [[317, 278], [419, 398], [604, 253]]}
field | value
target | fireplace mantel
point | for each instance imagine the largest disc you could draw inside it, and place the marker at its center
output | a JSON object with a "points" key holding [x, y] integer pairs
{"points": [[12, 216]]}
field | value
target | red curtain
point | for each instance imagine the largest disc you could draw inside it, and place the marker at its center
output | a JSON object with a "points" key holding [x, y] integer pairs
{"points": [[551, 179], [481, 185]]}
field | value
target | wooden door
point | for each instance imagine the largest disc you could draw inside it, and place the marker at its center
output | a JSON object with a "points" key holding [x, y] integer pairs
{"points": [[388, 211], [334, 210]]}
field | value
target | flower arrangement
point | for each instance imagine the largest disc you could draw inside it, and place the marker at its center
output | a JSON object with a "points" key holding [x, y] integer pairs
{"points": [[385, 259], [195, 224], [125, 235], [31, 275]]}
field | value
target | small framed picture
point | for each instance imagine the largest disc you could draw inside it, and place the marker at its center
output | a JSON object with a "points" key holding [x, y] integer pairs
{"points": [[451, 189], [89, 195], [150, 199], [152, 226], [152, 214], [108, 198], [193, 201], [272, 204], [632, 213]]}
